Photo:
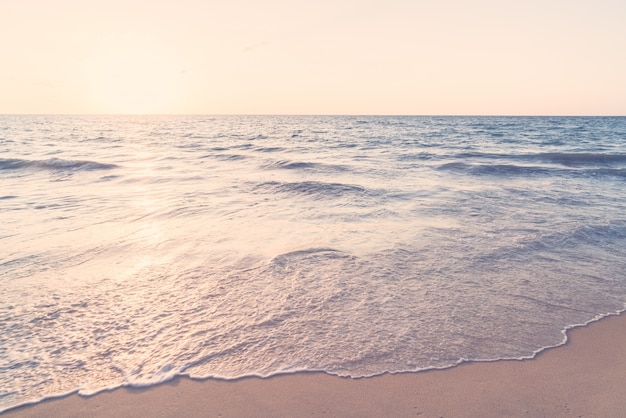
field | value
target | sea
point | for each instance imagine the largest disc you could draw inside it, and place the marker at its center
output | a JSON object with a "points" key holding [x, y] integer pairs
{"points": [[134, 249]]}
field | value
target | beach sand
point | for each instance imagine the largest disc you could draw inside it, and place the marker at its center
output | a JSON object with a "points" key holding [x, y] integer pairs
{"points": [[584, 378]]}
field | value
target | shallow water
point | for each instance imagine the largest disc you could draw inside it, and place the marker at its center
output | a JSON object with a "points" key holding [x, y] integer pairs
{"points": [[133, 249]]}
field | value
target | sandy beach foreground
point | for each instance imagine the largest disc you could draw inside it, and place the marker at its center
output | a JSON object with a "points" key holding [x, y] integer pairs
{"points": [[584, 378]]}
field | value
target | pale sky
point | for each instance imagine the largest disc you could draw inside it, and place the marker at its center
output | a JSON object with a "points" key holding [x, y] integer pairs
{"points": [[313, 57]]}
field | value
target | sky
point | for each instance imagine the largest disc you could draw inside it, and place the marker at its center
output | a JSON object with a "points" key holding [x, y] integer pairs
{"points": [[446, 57]]}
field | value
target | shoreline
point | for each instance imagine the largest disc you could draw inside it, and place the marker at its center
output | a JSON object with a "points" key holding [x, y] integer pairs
{"points": [[581, 377]]}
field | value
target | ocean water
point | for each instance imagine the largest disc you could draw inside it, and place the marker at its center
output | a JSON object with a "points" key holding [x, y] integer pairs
{"points": [[135, 249]]}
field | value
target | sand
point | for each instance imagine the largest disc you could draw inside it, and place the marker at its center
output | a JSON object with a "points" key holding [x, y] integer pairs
{"points": [[584, 378]]}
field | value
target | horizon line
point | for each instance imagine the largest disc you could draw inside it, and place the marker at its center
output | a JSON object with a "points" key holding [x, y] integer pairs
{"points": [[319, 114]]}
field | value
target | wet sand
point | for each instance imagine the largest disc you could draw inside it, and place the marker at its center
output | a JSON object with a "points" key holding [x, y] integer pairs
{"points": [[584, 378]]}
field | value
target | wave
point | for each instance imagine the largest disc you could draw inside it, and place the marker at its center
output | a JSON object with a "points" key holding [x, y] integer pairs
{"points": [[301, 165], [314, 188], [567, 159], [615, 172], [418, 156], [53, 164], [583, 158], [581, 234], [513, 170], [493, 169], [269, 149], [289, 257], [229, 157], [290, 165]]}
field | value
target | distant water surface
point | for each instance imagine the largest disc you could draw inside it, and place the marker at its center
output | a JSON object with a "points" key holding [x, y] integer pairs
{"points": [[135, 249]]}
